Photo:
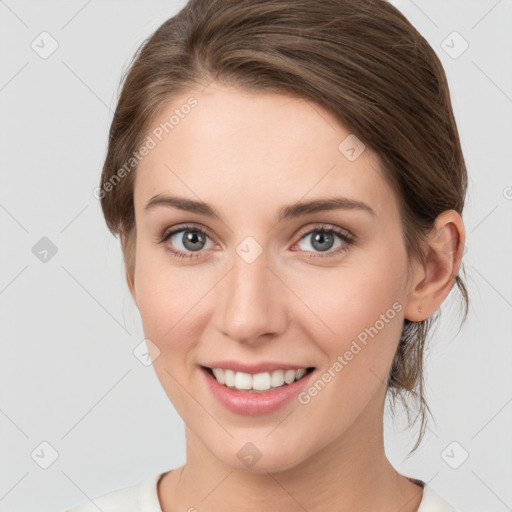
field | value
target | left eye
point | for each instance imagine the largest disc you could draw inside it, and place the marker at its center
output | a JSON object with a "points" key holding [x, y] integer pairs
{"points": [[323, 240]]}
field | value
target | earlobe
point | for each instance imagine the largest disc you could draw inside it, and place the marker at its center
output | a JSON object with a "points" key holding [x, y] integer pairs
{"points": [[433, 281]]}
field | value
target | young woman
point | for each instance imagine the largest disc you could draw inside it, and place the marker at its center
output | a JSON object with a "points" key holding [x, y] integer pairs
{"points": [[287, 181]]}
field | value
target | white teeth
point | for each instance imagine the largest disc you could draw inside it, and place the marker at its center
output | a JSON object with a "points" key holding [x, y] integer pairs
{"points": [[289, 376], [219, 374], [259, 381], [277, 378], [229, 377], [243, 380], [300, 373]]}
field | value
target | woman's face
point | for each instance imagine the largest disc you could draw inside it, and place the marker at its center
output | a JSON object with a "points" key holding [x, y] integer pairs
{"points": [[265, 286]]}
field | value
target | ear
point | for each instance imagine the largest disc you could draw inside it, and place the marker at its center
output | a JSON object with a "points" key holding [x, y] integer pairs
{"points": [[131, 287], [433, 281]]}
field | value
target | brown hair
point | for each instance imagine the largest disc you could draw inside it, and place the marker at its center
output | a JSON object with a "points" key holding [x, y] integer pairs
{"points": [[360, 59]]}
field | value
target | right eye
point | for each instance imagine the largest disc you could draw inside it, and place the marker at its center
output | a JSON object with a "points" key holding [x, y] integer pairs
{"points": [[191, 238]]}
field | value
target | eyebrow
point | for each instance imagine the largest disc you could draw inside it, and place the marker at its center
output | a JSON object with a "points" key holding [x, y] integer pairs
{"points": [[286, 212]]}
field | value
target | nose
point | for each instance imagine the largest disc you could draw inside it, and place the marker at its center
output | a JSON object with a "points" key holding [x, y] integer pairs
{"points": [[251, 302]]}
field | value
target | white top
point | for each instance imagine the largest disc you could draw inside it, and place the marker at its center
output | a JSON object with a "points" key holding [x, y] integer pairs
{"points": [[143, 497]]}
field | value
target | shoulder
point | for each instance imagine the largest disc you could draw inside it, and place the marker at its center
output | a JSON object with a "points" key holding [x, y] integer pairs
{"points": [[142, 496], [434, 502]]}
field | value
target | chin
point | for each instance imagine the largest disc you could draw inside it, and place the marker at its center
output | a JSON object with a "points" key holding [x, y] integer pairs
{"points": [[260, 457]]}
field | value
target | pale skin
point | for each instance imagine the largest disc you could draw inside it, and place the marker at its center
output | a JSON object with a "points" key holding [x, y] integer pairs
{"points": [[248, 155]]}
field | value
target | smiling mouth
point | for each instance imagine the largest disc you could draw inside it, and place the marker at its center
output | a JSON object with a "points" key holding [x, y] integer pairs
{"points": [[257, 383]]}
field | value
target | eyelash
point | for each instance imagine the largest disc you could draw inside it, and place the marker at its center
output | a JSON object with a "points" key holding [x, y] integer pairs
{"points": [[347, 238]]}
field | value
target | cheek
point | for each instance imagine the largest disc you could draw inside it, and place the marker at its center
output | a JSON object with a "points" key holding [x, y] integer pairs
{"points": [[363, 311], [168, 301], [169, 298], [358, 304]]}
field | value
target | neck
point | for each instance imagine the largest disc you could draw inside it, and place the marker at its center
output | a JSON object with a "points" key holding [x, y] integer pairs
{"points": [[351, 473]]}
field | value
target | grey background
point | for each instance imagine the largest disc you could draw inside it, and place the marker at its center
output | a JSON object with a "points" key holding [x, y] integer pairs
{"points": [[68, 375]]}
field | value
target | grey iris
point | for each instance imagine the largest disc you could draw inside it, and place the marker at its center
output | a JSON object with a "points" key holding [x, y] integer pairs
{"points": [[193, 240], [322, 238]]}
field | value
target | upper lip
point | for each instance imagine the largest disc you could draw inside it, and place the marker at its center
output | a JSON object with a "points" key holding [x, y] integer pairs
{"points": [[253, 368]]}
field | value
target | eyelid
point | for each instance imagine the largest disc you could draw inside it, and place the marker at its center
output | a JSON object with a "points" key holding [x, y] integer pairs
{"points": [[182, 227], [325, 226]]}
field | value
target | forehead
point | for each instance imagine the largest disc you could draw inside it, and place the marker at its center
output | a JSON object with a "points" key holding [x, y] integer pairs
{"points": [[255, 147]]}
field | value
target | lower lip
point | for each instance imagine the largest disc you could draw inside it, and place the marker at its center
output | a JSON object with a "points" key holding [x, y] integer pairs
{"points": [[254, 404]]}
